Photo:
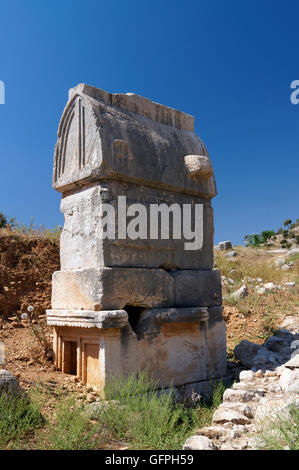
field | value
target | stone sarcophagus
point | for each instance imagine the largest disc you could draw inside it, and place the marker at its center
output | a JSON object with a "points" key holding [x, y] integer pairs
{"points": [[137, 289]]}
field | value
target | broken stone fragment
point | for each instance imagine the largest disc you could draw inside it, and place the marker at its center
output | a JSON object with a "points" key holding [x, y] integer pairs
{"points": [[290, 284], [212, 432], [198, 166], [8, 382], [199, 443], [289, 380], [227, 415], [279, 262], [247, 375], [293, 363], [238, 395], [227, 245], [240, 293], [231, 254]]}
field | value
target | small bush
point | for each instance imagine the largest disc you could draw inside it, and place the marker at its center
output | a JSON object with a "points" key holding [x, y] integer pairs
{"points": [[18, 416], [269, 324], [70, 430], [3, 220], [253, 240], [287, 222], [147, 418], [266, 234]]}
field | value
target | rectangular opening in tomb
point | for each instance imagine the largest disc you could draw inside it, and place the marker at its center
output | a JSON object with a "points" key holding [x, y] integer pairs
{"points": [[70, 357]]}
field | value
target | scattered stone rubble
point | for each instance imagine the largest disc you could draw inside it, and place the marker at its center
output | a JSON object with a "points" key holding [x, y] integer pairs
{"points": [[241, 293], [281, 263], [263, 392], [226, 281], [260, 288], [227, 245], [231, 254]]}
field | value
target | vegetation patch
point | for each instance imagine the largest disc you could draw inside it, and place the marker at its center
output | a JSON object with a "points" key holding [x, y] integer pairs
{"points": [[281, 433], [18, 416]]}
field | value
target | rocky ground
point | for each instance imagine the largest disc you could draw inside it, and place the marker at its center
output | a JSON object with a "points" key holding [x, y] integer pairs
{"points": [[262, 392], [262, 321]]}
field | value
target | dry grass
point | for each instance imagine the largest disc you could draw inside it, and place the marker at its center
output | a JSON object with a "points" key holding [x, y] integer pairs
{"points": [[254, 263], [256, 317], [31, 231]]}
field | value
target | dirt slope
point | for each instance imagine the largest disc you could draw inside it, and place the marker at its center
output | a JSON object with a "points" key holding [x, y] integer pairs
{"points": [[26, 267]]}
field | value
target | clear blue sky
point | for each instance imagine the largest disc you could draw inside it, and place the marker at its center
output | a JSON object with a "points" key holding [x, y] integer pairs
{"points": [[227, 62]]}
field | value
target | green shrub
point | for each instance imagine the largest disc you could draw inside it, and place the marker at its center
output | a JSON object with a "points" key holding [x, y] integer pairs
{"points": [[147, 418], [297, 239], [18, 416], [3, 220], [266, 234], [253, 240], [70, 430], [287, 222], [292, 235]]}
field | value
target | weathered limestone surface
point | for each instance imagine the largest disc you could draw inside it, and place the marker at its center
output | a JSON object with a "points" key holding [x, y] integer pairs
{"points": [[88, 318], [125, 304], [129, 138], [197, 287], [173, 345], [112, 288], [82, 246], [216, 343], [9, 383]]}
